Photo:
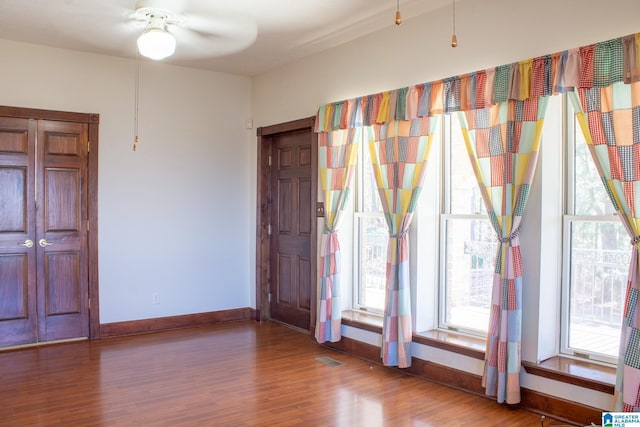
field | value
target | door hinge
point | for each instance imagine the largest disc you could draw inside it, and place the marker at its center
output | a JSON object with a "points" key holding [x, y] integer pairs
{"points": [[89, 303], [269, 229], [88, 146], [88, 225], [269, 297], [270, 159]]}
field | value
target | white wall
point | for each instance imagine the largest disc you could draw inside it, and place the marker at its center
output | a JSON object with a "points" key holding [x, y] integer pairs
{"points": [[173, 216]]}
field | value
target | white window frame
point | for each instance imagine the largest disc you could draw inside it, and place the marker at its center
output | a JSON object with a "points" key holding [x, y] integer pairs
{"points": [[358, 220], [569, 218], [446, 217]]}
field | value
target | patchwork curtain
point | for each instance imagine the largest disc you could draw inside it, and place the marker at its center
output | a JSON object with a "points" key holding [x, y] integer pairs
{"points": [[501, 110], [399, 152], [502, 141], [610, 120], [337, 154]]}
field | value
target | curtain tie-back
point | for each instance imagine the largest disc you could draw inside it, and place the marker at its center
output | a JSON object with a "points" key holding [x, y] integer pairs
{"points": [[332, 230], [399, 235], [510, 238], [635, 240]]}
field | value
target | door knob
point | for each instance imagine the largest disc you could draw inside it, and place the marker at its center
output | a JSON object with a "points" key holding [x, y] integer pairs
{"points": [[27, 243], [44, 243]]}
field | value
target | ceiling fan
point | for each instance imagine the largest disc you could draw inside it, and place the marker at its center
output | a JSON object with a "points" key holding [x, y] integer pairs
{"points": [[197, 34]]}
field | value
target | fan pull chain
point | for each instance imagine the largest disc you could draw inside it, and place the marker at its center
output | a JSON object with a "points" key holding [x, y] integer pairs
{"points": [[136, 101], [398, 16], [454, 39]]}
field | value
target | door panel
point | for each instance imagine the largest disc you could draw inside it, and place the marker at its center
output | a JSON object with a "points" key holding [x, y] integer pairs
{"points": [[62, 200], [292, 217], [285, 208], [14, 136], [305, 218], [62, 295], [62, 282], [304, 278], [14, 287], [305, 215], [284, 279], [62, 279], [18, 315], [17, 300], [64, 144], [13, 199]]}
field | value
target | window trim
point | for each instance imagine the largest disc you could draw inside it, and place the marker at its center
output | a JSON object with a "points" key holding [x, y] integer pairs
{"points": [[359, 214], [565, 349], [358, 218], [442, 285], [445, 216], [568, 218]]}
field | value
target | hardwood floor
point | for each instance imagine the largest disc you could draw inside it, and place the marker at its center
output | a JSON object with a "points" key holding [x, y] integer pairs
{"points": [[233, 374]]}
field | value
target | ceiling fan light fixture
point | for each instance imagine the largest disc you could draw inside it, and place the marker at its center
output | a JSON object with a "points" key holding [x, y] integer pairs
{"points": [[156, 43]]}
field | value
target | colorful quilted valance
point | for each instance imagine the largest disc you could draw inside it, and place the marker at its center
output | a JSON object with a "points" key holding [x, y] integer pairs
{"points": [[596, 65]]}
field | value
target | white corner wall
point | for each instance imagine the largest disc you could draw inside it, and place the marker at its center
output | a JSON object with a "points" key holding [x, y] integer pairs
{"points": [[174, 217]]}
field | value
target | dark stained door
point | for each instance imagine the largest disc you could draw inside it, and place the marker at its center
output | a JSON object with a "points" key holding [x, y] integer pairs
{"points": [[18, 316], [43, 267], [291, 221], [62, 276]]}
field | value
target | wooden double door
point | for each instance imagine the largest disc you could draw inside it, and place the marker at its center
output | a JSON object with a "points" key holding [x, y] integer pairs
{"points": [[44, 292]]}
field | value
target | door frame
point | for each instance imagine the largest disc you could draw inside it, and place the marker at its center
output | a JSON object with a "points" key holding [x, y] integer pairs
{"points": [[265, 138], [93, 122]]}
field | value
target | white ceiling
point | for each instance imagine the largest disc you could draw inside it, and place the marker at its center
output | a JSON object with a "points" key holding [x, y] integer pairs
{"points": [[286, 29]]}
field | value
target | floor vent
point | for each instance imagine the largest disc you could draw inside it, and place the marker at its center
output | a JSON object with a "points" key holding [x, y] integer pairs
{"points": [[328, 361]]}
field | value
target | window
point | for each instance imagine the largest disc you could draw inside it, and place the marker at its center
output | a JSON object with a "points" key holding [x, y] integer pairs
{"points": [[467, 241], [595, 248], [596, 258], [370, 239]]}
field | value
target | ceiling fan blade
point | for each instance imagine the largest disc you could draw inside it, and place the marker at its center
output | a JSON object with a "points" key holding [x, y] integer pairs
{"points": [[212, 42], [220, 23], [77, 21]]}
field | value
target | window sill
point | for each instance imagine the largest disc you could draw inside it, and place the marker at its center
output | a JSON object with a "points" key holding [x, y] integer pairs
{"points": [[563, 369], [577, 372], [362, 320], [450, 341], [453, 342]]}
